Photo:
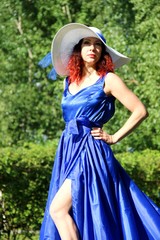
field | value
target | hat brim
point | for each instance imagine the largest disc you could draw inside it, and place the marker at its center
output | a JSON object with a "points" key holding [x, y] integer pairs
{"points": [[65, 40]]}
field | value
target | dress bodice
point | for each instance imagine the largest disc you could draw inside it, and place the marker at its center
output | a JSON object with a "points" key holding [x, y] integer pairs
{"points": [[90, 102]]}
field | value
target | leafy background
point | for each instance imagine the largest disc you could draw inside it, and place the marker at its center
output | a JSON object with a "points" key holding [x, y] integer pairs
{"points": [[30, 111], [30, 103]]}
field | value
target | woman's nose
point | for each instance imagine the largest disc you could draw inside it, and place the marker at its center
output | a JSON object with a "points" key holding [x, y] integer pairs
{"points": [[92, 47]]}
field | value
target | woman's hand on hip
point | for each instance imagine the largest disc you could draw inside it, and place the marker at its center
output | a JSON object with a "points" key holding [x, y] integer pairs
{"points": [[98, 133]]}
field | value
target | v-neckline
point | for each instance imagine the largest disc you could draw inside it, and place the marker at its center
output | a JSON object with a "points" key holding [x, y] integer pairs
{"points": [[100, 78]]}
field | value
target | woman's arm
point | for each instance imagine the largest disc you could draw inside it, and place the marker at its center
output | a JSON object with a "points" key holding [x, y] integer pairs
{"points": [[116, 87]]}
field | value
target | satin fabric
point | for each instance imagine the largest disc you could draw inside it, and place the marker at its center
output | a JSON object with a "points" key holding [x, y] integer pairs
{"points": [[106, 203]]}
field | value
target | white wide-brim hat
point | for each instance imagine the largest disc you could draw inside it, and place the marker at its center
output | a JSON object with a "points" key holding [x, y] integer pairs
{"points": [[68, 36]]}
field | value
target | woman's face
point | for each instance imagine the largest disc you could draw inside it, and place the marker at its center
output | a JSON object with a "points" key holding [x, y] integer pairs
{"points": [[91, 50]]}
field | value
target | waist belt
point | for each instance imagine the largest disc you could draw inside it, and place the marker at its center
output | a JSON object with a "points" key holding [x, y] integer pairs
{"points": [[81, 125]]}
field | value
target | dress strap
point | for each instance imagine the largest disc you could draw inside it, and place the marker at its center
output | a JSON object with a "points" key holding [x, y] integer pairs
{"points": [[66, 83], [102, 80]]}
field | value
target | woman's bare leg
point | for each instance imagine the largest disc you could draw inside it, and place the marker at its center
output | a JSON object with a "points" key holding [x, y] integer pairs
{"points": [[59, 211]]}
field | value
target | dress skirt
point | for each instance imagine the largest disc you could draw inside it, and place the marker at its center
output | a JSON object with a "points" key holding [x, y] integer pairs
{"points": [[106, 202]]}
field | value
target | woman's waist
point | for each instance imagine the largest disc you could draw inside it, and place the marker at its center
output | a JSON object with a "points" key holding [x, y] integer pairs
{"points": [[81, 125]]}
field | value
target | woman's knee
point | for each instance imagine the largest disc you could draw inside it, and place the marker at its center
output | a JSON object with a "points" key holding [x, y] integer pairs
{"points": [[56, 212]]}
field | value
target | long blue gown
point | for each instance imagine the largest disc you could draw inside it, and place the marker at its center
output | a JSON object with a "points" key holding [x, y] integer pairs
{"points": [[106, 203]]}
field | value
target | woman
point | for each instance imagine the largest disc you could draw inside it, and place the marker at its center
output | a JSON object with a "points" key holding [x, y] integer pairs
{"points": [[91, 197]]}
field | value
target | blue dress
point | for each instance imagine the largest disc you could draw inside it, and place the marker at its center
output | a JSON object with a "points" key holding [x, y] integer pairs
{"points": [[106, 203]]}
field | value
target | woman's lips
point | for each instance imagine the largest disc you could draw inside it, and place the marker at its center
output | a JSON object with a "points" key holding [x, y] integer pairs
{"points": [[91, 55]]}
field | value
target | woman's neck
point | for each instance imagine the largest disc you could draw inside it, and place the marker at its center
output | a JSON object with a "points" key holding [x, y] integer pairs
{"points": [[88, 72]]}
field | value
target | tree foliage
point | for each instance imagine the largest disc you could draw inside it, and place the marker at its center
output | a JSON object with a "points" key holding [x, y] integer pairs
{"points": [[30, 104]]}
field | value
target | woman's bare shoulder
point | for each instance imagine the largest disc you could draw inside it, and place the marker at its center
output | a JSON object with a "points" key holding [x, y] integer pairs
{"points": [[112, 81]]}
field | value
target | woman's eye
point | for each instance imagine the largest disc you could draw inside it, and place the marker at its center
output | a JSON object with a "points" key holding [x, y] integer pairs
{"points": [[98, 44]]}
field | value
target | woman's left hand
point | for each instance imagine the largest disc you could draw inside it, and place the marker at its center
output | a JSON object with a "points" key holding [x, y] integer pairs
{"points": [[98, 133]]}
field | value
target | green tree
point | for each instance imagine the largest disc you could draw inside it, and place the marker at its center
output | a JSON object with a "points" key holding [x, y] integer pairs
{"points": [[30, 104], [143, 76]]}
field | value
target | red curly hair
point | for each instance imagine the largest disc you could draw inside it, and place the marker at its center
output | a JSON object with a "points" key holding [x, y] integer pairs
{"points": [[75, 64]]}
